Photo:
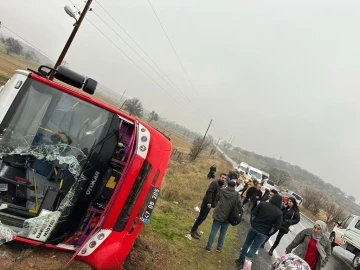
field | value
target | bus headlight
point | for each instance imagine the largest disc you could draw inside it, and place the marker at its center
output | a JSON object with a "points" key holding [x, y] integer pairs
{"points": [[101, 236], [94, 242]]}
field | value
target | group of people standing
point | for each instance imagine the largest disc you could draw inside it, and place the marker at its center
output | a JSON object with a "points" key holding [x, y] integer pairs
{"points": [[268, 215]]}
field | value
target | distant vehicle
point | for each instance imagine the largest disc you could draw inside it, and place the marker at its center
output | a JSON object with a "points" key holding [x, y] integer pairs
{"points": [[268, 184], [346, 234], [285, 196], [265, 176], [253, 173], [297, 197], [243, 167]]}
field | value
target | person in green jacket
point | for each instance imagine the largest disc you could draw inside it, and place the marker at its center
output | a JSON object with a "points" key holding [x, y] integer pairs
{"points": [[228, 199]]}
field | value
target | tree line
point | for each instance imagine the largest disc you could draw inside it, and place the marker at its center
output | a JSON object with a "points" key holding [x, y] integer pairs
{"points": [[13, 46]]}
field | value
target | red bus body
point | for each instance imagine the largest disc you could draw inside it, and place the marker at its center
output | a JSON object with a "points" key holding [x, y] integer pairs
{"points": [[108, 231]]}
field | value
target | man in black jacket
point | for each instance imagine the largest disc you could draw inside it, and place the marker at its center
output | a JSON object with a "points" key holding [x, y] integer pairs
{"points": [[209, 201], [266, 220]]}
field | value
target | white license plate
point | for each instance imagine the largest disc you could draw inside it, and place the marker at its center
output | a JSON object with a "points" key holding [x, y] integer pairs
{"points": [[3, 187]]}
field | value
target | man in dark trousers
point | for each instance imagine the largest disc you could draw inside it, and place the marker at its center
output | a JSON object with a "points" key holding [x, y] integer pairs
{"points": [[209, 201], [266, 220]]}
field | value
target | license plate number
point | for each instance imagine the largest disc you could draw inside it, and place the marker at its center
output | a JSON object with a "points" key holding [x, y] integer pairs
{"points": [[3, 187], [150, 207]]}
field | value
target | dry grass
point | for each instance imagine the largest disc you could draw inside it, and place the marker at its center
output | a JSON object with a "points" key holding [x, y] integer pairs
{"points": [[10, 63], [162, 243]]}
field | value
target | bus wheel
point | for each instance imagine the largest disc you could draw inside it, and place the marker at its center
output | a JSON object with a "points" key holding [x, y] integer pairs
{"points": [[356, 260]]}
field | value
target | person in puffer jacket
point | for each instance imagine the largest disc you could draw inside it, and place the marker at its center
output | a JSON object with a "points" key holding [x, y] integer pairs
{"points": [[291, 216], [228, 199]]}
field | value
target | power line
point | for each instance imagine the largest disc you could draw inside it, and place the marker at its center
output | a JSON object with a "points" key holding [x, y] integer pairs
{"points": [[177, 56], [164, 74], [179, 91], [138, 54], [36, 48], [147, 75], [204, 112]]}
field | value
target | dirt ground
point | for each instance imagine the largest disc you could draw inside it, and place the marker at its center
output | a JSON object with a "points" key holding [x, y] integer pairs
{"points": [[22, 258]]}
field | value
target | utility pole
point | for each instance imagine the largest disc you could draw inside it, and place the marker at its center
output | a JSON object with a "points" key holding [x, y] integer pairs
{"points": [[122, 95], [69, 41], [123, 104], [205, 134], [217, 142]]}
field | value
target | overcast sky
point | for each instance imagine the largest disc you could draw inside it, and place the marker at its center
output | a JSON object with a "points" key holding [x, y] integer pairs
{"points": [[281, 76]]}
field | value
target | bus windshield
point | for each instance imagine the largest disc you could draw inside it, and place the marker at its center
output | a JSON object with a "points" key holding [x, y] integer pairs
{"points": [[52, 125], [59, 144]]}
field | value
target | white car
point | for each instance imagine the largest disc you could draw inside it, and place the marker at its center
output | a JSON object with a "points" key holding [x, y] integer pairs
{"points": [[346, 234]]}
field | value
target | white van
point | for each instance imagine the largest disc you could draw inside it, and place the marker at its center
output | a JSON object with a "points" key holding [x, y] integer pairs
{"points": [[254, 173], [346, 234], [243, 167]]}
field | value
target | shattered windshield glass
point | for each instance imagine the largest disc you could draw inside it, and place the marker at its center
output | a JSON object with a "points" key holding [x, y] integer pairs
{"points": [[47, 138], [52, 125]]}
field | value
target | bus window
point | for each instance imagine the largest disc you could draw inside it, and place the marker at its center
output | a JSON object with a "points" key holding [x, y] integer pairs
{"points": [[133, 196]]}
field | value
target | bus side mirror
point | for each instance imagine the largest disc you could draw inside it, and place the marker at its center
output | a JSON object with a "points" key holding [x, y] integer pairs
{"points": [[90, 86]]}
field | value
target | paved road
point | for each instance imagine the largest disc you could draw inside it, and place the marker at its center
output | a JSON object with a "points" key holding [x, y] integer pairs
{"points": [[340, 259]]}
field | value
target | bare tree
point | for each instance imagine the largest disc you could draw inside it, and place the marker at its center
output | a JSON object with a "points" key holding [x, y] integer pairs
{"points": [[153, 116], [314, 200], [12, 46], [134, 107], [280, 177], [333, 213], [30, 56], [198, 146], [212, 151]]}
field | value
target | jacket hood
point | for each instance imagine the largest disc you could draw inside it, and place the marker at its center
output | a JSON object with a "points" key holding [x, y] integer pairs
{"points": [[229, 193], [276, 200]]}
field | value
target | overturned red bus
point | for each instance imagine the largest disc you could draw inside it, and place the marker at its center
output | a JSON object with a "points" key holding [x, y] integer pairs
{"points": [[75, 173]]}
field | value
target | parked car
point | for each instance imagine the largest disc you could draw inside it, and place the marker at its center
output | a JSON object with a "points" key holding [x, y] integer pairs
{"points": [[346, 234], [297, 197], [268, 184], [285, 196]]}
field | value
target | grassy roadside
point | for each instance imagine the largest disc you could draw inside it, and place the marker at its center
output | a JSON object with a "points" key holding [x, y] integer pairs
{"points": [[162, 243]]}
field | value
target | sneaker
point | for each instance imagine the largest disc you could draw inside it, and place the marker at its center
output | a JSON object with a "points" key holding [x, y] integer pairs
{"points": [[218, 250], [207, 249], [194, 235], [270, 252], [198, 234]]}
